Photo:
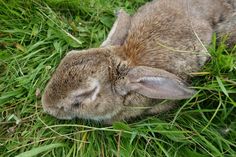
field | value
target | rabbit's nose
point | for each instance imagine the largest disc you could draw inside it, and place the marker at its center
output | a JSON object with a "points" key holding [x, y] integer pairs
{"points": [[61, 108], [64, 108], [77, 104]]}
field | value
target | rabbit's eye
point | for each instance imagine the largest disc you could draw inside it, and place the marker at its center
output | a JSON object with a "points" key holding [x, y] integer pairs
{"points": [[86, 94], [79, 99]]}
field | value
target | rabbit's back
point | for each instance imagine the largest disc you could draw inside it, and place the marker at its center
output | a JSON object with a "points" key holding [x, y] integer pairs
{"points": [[172, 35]]}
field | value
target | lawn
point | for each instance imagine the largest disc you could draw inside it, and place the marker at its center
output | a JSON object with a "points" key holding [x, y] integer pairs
{"points": [[34, 37]]}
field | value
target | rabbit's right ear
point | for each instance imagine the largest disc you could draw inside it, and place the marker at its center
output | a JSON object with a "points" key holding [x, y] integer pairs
{"points": [[156, 83], [119, 30]]}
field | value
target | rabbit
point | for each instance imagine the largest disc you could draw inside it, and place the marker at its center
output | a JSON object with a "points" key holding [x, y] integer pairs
{"points": [[142, 68]]}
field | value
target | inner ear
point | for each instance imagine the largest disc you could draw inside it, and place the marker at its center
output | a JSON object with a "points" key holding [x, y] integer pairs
{"points": [[157, 83]]}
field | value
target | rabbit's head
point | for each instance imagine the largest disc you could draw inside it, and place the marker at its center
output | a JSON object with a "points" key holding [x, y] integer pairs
{"points": [[81, 86], [93, 84]]}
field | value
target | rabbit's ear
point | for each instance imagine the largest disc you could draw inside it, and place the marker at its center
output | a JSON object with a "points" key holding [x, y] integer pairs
{"points": [[119, 30], [156, 83]]}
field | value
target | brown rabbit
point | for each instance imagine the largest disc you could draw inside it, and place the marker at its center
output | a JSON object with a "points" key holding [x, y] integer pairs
{"points": [[143, 65]]}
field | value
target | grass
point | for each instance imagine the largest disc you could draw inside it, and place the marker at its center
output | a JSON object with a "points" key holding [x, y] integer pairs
{"points": [[34, 37]]}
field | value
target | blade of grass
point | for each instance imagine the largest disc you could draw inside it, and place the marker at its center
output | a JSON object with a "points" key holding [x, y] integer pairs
{"points": [[38, 150]]}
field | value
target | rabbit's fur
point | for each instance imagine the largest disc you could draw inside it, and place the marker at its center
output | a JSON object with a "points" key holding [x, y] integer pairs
{"points": [[157, 49]]}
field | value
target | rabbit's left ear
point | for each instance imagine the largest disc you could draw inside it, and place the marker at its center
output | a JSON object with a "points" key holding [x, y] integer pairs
{"points": [[156, 83], [119, 30]]}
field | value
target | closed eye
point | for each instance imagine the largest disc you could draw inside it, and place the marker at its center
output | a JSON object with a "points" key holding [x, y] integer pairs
{"points": [[87, 94], [80, 98]]}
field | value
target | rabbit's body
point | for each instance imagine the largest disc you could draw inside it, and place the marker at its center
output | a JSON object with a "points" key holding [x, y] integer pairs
{"points": [[175, 36], [165, 42]]}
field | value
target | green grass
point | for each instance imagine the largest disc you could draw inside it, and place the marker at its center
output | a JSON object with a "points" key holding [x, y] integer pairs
{"points": [[34, 37]]}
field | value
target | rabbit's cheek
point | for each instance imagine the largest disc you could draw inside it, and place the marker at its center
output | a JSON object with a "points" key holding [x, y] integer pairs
{"points": [[104, 107], [106, 116]]}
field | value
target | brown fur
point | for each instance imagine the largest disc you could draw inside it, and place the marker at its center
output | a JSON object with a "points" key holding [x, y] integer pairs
{"points": [[172, 30], [163, 43]]}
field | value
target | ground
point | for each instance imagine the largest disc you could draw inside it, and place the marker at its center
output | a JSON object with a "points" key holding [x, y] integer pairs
{"points": [[34, 37]]}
